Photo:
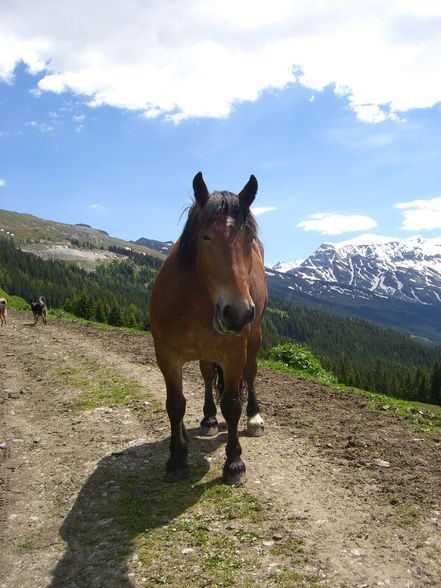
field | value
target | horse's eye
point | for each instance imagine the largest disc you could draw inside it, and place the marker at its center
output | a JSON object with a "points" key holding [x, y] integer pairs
{"points": [[206, 237]]}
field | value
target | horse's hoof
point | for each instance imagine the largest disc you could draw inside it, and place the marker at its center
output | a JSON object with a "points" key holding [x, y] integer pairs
{"points": [[209, 426], [234, 479], [255, 426], [209, 431], [234, 474], [173, 476]]}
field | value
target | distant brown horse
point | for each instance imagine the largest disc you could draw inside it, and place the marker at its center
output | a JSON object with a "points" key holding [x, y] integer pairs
{"points": [[207, 304]]}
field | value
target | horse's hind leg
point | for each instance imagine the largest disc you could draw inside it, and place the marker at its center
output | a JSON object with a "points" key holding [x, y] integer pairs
{"points": [[255, 423], [209, 425], [177, 467]]}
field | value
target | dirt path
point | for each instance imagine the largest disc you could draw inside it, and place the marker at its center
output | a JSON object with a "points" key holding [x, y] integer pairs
{"points": [[78, 475]]}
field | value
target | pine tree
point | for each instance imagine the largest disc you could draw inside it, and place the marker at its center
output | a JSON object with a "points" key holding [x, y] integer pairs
{"points": [[100, 314], [422, 385], [435, 384], [83, 306], [115, 316], [380, 377], [68, 305]]}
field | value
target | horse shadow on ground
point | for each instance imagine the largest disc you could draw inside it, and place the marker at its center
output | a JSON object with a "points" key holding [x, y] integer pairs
{"points": [[124, 497]]}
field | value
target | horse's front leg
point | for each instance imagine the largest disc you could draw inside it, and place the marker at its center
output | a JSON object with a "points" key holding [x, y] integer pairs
{"points": [[209, 424], [255, 423], [231, 406], [177, 467]]}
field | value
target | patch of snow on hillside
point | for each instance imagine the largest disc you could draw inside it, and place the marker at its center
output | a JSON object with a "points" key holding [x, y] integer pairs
{"points": [[286, 266]]}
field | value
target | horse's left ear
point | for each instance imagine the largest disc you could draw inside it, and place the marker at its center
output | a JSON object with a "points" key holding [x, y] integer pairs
{"points": [[201, 193], [249, 192]]}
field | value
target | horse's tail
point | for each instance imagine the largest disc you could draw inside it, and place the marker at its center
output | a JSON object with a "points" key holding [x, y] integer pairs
{"points": [[218, 383]]}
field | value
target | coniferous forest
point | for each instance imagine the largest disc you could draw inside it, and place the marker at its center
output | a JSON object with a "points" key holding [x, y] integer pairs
{"points": [[120, 289], [358, 352]]}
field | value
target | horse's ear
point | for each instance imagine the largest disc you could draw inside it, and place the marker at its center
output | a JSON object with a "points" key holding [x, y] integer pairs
{"points": [[200, 190], [249, 192]]}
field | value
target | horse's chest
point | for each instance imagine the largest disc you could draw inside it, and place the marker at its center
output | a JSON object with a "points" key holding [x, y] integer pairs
{"points": [[200, 341], [195, 337]]}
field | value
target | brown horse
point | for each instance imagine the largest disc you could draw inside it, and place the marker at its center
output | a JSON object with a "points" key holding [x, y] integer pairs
{"points": [[207, 304]]}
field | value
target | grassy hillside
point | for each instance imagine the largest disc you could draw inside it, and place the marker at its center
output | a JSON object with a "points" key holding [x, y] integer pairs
{"points": [[298, 360], [14, 302], [34, 234]]}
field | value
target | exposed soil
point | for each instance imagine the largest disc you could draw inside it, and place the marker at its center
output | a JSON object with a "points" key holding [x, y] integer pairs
{"points": [[360, 488], [69, 253]]}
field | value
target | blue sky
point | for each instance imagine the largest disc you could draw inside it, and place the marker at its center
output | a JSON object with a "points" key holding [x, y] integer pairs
{"points": [[336, 111]]}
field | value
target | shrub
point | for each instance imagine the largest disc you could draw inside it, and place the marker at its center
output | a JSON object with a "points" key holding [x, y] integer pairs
{"points": [[297, 357]]}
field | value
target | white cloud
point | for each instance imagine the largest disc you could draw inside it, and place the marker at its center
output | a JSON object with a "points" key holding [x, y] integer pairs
{"points": [[197, 58], [336, 224], [420, 215], [2, 182], [40, 126], [262, 209], [95, 206]]}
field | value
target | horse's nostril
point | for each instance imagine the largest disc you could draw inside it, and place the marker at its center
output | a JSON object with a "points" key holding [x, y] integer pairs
{"points": [[226, 311], [251, 313]]}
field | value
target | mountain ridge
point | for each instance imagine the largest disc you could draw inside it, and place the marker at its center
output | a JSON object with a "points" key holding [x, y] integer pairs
{"points": [[408, 269], [56, 240]]}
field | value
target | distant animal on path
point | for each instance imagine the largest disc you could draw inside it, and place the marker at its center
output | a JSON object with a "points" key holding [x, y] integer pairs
{"points": [[3, 311], [207, 304], [39, 309]]}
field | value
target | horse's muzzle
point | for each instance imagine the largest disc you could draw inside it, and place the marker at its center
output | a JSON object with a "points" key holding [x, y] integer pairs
{"points": [[231, 320]]}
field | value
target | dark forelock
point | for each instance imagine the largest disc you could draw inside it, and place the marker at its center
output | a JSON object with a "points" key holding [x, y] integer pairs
{"points": [[218, 205]]}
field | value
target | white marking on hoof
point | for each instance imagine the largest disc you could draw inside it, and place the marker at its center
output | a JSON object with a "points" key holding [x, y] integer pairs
{"points": [[255, 425]]}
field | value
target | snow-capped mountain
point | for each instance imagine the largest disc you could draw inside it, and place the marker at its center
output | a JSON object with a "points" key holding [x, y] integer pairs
{"points": [[388, 280], [286, 266], [408, 270]]}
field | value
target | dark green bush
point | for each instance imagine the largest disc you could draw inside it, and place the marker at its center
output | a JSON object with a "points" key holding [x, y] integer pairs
{"points": [[297, 357]]}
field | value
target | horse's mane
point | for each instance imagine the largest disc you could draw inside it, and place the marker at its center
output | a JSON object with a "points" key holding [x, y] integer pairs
{"points": [[218, 205]]}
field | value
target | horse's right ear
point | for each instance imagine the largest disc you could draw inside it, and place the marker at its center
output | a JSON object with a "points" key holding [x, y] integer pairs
{"points": [[200, 190]]}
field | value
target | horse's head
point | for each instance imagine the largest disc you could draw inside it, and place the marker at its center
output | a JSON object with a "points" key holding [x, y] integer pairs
{"points": [[217, 244]]}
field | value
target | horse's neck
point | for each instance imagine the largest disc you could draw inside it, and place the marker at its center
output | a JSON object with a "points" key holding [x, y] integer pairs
{"points": [[258, 249]]}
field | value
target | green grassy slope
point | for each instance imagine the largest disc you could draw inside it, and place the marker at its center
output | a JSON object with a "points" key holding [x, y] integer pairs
{"points": [[32, 231]]}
